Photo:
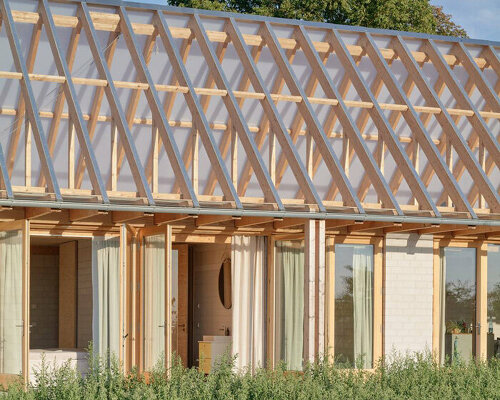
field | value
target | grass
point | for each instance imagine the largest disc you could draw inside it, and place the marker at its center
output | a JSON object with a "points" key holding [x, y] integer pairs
{"points": [[416, 377]]}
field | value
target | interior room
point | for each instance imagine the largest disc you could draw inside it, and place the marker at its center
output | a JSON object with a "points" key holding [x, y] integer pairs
{"points": [[60, 300], [218, 298]]}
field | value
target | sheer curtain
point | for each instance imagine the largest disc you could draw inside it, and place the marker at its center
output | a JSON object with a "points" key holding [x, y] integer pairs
{"points": [[442, 306], [154, 299], [290, 303], [248, 263], [363, 304], [11, 289], [106, 295]]}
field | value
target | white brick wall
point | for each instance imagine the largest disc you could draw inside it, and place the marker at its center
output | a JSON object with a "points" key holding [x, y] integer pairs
{"points": [[408, 293]]}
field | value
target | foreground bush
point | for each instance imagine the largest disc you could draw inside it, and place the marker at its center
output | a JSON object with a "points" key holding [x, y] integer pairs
{"points": [[405, 378]]}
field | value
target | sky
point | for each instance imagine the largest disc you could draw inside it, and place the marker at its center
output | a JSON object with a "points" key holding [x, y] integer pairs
{"points": [[480, 18]]}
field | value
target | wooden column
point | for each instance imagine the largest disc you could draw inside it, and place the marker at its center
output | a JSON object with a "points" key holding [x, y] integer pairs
{"points": [[309, 290], [330, 297], [320, 285], [314, 289], [68, 277], [482, 301]]}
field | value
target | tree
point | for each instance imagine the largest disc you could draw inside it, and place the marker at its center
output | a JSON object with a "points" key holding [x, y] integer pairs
{"points": [[445, 26], [402, 15]]}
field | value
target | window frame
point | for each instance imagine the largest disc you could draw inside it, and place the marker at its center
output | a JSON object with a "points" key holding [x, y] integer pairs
{"points": [[481, 292], [378, 284]]}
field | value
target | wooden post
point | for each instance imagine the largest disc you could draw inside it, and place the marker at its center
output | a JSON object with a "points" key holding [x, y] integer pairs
{"points": [[114, 157], [271, 291], [309, 290], [27, 154], [320, 284], [234, 154], [482, 302], [330, 297], [195, 164], [71, 155], [154, 159]]}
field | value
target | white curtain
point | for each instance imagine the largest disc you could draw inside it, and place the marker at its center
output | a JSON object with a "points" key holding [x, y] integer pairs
{"points": [[11, 289], [154, 299], [248, 262], [442, 305], [363, 304], [290, 304], [106, 295]]}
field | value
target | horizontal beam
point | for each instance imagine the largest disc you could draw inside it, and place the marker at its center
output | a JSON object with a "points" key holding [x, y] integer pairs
{"points": [[213, 219], [37, 212], [111, 23], [245, 94], [80, 215]]}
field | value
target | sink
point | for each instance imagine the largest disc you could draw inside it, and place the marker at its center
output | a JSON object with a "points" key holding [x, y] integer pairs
{"points": [[219, 339]]}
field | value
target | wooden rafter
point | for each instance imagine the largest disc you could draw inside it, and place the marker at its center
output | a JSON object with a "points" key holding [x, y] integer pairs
{"points": [[420, 152]]}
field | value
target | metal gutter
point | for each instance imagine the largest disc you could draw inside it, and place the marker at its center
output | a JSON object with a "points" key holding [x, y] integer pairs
{"points": [[250, 213]]}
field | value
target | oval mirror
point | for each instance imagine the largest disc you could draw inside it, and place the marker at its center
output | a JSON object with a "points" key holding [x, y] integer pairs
{"points": [[225, 284]]}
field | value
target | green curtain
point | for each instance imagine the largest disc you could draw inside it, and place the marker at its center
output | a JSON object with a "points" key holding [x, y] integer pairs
{"points": [[106, 302], [290, 290], [363, 304], [11, 289]]}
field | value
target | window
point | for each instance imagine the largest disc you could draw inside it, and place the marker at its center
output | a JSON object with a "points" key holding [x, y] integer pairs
{"points": [[458, 303], [353, 337]]}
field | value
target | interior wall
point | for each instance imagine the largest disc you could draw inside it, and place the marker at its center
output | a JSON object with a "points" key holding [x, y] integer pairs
{"points": [[44, 297], [209, 315], [84, 311]]}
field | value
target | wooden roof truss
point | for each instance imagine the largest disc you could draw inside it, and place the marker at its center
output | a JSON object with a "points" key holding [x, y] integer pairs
{"points": [[335, 121]]}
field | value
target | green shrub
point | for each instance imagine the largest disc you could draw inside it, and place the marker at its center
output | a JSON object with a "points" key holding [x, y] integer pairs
{"points": [[405, 377]]}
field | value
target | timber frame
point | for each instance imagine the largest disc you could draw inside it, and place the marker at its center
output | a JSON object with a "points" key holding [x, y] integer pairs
{"points": [[432, 158], [204, 125]]}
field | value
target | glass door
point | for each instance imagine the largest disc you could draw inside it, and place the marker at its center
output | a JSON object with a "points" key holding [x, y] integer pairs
{"points": [[458, 303], [155, 309], [179, 301], [14, 300]]}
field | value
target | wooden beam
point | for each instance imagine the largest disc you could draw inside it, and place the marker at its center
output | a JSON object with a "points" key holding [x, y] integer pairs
{"points": [[289, 222], [160, 219], [252, 221], [120, 217], [76, 215], [37, 212], [213, 219], [109, 22], [405, 227], [477, 230], [337, 224], [21, 104], [445, 228], [371, 226]]}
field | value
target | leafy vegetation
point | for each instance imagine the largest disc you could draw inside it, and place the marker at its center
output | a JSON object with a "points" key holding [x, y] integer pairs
{"points": [[416, 377], [401, 15]]}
